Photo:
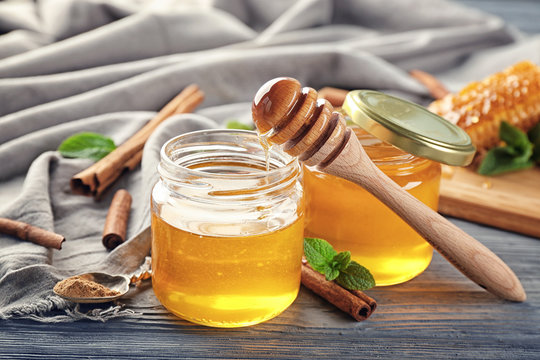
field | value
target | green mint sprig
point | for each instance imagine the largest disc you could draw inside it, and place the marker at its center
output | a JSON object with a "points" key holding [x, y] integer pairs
{"points": [[337, 266], [516, 154], [86, 145], [534, 138], [235, 124]]}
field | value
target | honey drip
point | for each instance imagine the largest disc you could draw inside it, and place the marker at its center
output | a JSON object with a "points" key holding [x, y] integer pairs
{"points": [[263, 140]]}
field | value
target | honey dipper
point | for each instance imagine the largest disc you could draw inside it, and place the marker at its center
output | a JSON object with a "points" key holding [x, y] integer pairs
{"points": [[292, 116]]}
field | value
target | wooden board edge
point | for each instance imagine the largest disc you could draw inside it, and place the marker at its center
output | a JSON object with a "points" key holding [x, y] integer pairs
{"points": [[500, 218]]}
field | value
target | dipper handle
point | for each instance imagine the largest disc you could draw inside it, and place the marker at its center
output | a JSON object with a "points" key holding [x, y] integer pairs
{"points": [[306, 127], [467, 254]]}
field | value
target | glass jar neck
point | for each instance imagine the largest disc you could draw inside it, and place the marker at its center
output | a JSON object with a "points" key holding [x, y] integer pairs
{"points": [[387, 157], [226, 166]]}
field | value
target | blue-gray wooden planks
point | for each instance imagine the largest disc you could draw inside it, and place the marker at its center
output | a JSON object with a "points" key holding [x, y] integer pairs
{"points": [[440, 314]]}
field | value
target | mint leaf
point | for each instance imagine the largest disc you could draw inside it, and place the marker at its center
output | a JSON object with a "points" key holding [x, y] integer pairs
{"points": [[341, 260], [331, 274], [348, 273], [234, 124], [356, 277], [534, 137], [500, 160], [319, 254], [86, 145], [515, 155], [338, 263], [511, 135], [517, 142]]}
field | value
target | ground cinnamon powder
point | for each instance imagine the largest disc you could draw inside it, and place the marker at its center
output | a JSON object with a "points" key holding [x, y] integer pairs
{"points": [[77, 286]]}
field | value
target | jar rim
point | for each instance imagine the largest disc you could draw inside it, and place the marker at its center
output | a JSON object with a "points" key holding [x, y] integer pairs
{"points": [[283, 162], [400, 157]]}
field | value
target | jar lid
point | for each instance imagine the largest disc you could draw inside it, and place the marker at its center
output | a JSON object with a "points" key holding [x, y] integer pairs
{"points": [[410, 127]]}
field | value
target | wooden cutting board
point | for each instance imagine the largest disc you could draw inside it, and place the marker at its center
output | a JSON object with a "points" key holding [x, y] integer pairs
{"points": [[510, 201]]}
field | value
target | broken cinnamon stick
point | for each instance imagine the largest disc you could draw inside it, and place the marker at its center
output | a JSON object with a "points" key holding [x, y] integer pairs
{"points": [[114, 232], [31, 233], [335, 96], [436, 89], [354, 302], [94, 180]]}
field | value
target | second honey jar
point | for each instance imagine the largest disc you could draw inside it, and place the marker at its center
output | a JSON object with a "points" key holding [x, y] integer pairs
{"points": [[408, 144], [352, 219]]}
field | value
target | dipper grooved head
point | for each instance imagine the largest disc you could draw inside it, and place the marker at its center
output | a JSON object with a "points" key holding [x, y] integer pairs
{"points": [[291, 115]]}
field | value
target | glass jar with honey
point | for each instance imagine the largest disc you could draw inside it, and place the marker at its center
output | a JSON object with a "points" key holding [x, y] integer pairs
{"points": [[407, 143], [227, 235], [350, 218]]}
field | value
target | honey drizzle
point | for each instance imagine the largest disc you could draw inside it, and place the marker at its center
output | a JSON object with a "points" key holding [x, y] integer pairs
{"points": [[263, 140]]}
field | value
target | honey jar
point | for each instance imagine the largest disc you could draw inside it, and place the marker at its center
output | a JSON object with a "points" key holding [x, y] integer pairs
{"points": [[408, 144], [227, 235], [350, 218]]}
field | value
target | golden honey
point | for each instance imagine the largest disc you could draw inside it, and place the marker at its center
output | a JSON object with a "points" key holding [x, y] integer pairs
{"points": [[352, 219], [226, 281], [227, 235]]}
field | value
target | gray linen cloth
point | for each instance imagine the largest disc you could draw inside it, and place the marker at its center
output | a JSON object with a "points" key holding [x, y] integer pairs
{"points": [[106, 66]]}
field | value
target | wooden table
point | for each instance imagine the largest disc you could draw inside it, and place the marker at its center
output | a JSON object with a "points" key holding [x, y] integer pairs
{"points": [[440, 314]]}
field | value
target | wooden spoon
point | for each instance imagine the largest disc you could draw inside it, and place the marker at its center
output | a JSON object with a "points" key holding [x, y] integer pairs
{"points": [[291, 116]]}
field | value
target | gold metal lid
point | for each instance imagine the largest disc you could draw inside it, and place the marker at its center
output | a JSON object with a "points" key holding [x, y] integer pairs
{"points": [[409, 127]]}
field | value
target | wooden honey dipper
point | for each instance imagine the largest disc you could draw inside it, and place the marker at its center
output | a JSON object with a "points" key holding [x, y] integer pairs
{"points": [[291, 116]]}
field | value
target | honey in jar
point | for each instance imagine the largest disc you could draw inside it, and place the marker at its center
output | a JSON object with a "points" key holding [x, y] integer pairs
{"points": [[227, 235], [407, 143], [352, 219]]}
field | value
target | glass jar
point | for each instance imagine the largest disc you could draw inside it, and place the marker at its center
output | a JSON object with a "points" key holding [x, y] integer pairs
{"points": [[227, 235], [352, 219]]}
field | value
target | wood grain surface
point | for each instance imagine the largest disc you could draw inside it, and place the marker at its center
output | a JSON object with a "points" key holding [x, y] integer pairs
{"points": [[510, 201], [438, 315]]}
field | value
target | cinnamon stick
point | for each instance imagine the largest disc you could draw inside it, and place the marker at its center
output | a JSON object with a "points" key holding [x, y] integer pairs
{"points": [[335, 96], [31, 233], [354, 302], [114, 232], [94, 180], [436, 89], [134, 161]]}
